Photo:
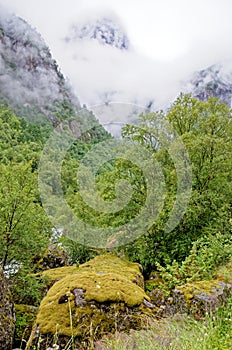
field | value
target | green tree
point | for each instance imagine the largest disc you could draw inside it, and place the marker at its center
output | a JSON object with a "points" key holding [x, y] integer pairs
{"points": [[24, 227], [205, 129]]}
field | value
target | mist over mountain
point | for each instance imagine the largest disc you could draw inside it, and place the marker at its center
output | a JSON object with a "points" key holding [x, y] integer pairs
{"points": [[30, 79], [104, 68], [213, 81], [104, 30]]}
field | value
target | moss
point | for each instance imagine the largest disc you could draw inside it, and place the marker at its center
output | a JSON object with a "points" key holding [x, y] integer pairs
{"points": [[107, 288], [90, 324], [192, 289], [100, 264], [110, 290], [109, 263], [205, 286], [59, 272]]}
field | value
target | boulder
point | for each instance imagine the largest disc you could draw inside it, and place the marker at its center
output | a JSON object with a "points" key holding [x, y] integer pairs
{"points": [[104, 295], [7, 315], [54, 275], [198, 298], [54, 256]]}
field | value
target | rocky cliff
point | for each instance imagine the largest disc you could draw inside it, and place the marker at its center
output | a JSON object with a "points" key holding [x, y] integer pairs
{"points": [[30, 79]]}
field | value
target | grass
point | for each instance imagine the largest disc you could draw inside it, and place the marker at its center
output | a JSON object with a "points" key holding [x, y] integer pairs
{"points": [[178, 333]]}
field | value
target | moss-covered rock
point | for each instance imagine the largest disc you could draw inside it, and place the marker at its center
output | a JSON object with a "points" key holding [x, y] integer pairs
{"points": [[53, 257], [103, 295], [7, 315], [109, 263], [100, 264], [199, 298], [54, 275]]}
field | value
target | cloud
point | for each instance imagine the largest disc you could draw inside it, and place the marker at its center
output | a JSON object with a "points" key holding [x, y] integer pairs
{"points": [[169, 40], [29, 77], [100, 72]]}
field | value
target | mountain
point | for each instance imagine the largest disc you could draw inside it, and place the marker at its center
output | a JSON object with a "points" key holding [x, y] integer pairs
{"points": [[108, 31], [106, 69], [214, 81], [30, 79], [104, 30]]}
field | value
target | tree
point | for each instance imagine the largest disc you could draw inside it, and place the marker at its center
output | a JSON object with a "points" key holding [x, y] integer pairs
{"points": [[205, 128], [24, 227]]}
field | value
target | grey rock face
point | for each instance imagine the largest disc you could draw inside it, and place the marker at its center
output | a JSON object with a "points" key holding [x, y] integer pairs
{"points": [[7, 315], [30, 79], [214, 81], [104, 30]]}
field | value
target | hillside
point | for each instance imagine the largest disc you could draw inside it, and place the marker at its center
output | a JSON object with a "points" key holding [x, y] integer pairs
{"points": [[30, 79]]}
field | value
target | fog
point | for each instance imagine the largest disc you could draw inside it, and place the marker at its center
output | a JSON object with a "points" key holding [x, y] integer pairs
{"points": [[169, 40]]}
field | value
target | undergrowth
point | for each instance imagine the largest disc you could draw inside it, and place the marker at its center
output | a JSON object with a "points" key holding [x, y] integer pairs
{"points": [[179, 333], [206, 255]]}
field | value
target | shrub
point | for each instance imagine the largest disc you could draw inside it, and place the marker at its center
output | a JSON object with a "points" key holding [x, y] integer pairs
{"points": [[205, 257]]}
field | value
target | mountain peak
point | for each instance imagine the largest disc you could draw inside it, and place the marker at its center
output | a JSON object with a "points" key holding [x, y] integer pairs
{"points": [[213, 81], [105, 30]]}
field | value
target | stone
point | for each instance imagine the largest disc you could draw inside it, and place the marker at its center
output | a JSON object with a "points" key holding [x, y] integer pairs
{"points": [[199, 298], [104, 295], [54, 256], [7, 315]]}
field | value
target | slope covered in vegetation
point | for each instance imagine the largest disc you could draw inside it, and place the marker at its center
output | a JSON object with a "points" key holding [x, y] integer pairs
{"points": [[192, 251]]}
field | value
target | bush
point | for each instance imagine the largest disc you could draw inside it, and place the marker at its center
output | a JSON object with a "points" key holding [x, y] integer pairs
{"points": [[27, 289], [205, 257]]}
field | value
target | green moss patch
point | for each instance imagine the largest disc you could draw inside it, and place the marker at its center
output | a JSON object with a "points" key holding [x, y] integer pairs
{"points": [[112, 264], [202, 297], [101, 264], [192, 289], [111, 299], [59, 272]]}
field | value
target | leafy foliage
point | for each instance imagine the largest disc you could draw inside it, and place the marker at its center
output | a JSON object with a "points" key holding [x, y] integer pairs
{"points": [[206, 131], [27, 288], [24, 225], [206, 255]]}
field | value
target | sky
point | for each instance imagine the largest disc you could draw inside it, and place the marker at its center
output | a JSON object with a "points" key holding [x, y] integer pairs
{"points": [[170, 39]]}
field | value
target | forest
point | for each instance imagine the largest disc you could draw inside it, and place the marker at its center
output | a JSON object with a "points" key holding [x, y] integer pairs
{"points": [[175, 167]]}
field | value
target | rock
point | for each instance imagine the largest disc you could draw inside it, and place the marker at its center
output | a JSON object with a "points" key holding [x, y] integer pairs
{"points": [[30, 79], [148, 304], [104, 295], [79, 297], [7, 315], [214, 81], [54, 256], [199, 298], [106, 31], [157, 297]]}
